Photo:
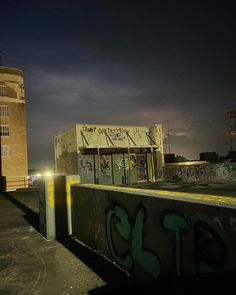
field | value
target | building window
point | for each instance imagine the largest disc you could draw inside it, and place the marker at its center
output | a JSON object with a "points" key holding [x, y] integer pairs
{"points": [[3, 90], [4, 112], [5, 151], [4, 130]]}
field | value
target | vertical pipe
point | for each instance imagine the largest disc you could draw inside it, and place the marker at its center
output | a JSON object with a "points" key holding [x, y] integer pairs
{"points": [[112, 170], [152, 165], [99, 166], [124, 182], [94, 170], [129, 172], [147, 178]]}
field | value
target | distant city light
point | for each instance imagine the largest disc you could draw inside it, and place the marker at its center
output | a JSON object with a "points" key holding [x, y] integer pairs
{"points": [[38, 175], [48, 173]]}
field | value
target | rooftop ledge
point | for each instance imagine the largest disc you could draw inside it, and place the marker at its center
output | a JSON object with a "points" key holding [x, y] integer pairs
{"points": [[213, 200], [13, 71]]}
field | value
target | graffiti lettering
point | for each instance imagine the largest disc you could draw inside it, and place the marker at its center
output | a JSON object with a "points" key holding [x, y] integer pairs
{"points": [[178, 225], [135, 254], [88, 129], [118, 218], [206, 237], [210, 248], [113, 130]]}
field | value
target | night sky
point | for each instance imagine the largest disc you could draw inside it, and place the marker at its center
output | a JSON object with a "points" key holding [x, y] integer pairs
{"points": [[127, 63]]}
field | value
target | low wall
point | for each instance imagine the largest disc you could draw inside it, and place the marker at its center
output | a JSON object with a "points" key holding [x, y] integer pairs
{"points": [[156, 234], [221, 172]]}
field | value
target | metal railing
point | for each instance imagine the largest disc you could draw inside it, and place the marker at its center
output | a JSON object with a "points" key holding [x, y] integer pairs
{"points": [[13, 183]]}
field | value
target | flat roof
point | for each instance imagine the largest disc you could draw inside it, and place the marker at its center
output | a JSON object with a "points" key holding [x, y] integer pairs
{"points": [[112, 126]]}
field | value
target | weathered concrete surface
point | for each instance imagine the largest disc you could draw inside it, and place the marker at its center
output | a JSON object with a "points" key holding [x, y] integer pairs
{"points": [[31, 265], [157, 234], [187, 172]]}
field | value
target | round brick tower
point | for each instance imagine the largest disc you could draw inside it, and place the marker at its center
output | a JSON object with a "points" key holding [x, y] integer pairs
{"points": [[13, 139]]}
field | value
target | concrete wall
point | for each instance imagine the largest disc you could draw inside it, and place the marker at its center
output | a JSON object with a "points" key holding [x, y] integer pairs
{"points": [[65, 152], [221, 172], [156, 234]]}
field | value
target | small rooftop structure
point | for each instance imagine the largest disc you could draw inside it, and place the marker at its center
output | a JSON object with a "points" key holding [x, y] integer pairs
{"points": [[110, 154]]}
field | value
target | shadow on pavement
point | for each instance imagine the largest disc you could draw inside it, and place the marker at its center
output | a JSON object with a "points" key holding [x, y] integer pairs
{"points": [[220, 283], [30, 216], [105, 269], [118, 281]]}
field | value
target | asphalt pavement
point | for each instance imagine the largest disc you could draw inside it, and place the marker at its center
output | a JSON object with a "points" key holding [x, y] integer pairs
{"points": [[29, 264]]}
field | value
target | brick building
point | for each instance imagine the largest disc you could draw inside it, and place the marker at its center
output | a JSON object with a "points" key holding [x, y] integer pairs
{"points": [[14, 163]]}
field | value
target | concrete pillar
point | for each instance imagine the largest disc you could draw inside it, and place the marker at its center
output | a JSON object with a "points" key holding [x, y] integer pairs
{"points": [[70, 179], [47, 208], [55, 206]]}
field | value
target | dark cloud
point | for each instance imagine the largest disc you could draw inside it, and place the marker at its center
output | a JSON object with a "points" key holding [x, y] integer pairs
{"points": [[130, 62]]}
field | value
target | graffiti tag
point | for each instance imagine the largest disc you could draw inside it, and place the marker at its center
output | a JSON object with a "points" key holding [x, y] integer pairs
{"points": [[118, 221]]}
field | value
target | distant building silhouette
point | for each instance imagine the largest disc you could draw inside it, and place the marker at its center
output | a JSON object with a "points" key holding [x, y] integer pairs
{"points": [[14, 163], [209, 156], [169, 158]]}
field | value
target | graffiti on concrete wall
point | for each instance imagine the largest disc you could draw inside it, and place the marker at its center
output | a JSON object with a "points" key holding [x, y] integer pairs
{"points": [[190, 173], [128, 246], [136, 134], [194, 173], [105, 165], [177, 225], [93, 129], [119, 162], [132, 233], [224, 172], [87, 167], [117, 136]]}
